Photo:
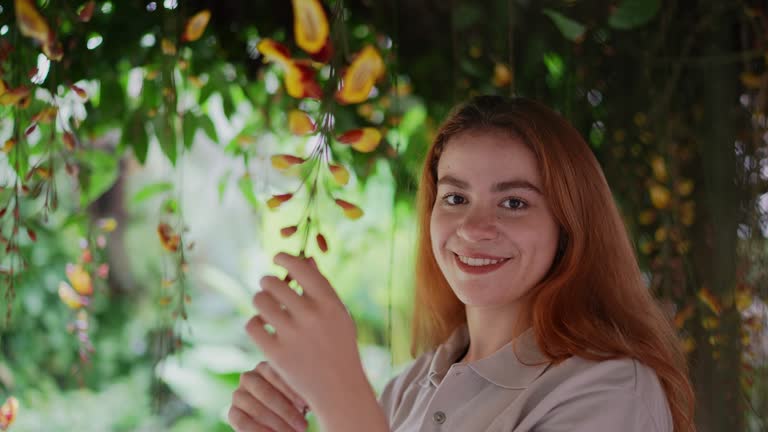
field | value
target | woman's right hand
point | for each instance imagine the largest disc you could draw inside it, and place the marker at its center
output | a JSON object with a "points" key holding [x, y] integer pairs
{"points": [[264, 403]]}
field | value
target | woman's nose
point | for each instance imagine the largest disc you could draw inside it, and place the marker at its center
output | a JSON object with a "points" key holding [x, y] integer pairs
{"points": [[478, 225]]}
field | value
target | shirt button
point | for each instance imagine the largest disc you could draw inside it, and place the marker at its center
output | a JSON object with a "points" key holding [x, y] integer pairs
{"points": [[438, 417]]}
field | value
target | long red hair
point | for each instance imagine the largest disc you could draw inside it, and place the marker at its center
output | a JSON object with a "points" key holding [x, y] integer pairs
{"points": [[593, 303]]}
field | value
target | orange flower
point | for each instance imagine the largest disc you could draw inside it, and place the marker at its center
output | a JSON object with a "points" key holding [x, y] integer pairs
{"points": [[80, 279], [300, 81], [168, 238], [322, 243], [285, 161], [274, 51], [709, 299], [70, 297], [86, 13], [14, 96], [364, 140], [359, 78], [8, 412], [80, 92], [340, 174], [46, 116], [196, 26], [310, 25], [31, 23], [9, 145], [288, 231], [299, 123], [350, 210], [168, 47], [277, 200], [660, 196], [69, 141]]}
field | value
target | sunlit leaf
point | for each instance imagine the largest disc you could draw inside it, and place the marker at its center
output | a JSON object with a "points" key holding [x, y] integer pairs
{"points": [[151, 190], [340, 174], [196, 26], [86, 12], [359, 78], [80, 279], [310, 25], [502, 75], [364, 140], [277, 200], [350, 210], [660, 196], [659, 168], [299, 123], [571, 29], [8, 412], [168, 238], [709, 299], [285, 161], [322, 243], [288, 231], [70, 297]]}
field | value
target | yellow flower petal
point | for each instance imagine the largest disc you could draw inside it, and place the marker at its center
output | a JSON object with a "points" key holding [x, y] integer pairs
{"points": [[80, 279], [660, 196], [340, 174], [277, 200], [359, 78], [310, 25], [350, 210], [364, 140], [70, 297], [284, 161], [299, 123], [196, 26]]}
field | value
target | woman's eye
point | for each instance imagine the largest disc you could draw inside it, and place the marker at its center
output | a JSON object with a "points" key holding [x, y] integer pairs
{"points": [[514, 204], [452, 199]]}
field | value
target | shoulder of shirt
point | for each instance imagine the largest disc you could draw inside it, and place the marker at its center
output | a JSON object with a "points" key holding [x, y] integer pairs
{"points": [[578, 377]]}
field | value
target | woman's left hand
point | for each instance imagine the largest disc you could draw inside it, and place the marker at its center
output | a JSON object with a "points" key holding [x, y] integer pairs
{"points": [[314, 346]]}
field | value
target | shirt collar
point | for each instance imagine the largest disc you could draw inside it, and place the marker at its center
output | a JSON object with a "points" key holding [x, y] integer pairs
{"points": [[514, 366]]}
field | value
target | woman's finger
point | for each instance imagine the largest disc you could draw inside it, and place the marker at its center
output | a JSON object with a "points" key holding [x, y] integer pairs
{"points": [[270, 310], [255, 329], [261, 414], [274, 400], [307, 275], [276, 380], [284, 294], [242, 422]]}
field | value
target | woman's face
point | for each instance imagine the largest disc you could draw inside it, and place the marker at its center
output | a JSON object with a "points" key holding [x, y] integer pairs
{"points": [[493, 234]]}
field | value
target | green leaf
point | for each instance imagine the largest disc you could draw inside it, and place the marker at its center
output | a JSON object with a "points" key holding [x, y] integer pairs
{"points": [[151, 190], [98, 172], [166, 136], [246, 187], [633, 13], [572, 30], [208, 127], [135, 136], [189, 126], [223, 182]]}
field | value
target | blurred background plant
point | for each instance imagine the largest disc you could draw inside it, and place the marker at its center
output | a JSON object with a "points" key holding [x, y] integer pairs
{"points": [[158, 153]]}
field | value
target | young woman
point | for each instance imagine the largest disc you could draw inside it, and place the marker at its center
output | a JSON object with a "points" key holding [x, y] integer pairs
{"points": [[530, 310]]}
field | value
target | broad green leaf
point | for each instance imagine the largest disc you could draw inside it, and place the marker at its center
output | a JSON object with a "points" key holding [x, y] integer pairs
{"points": [[572, 30], [189, 127], [98, 172], [166, 136], [208, 127], [151, 190], [223, 182], [633, 13], [135, 136]]}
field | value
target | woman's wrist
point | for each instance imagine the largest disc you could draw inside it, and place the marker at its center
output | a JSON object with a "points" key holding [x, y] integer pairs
{"points": [[351, 407]]}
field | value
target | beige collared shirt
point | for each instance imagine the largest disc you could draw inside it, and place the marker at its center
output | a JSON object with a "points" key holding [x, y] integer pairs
{"points": [[517, 390]]}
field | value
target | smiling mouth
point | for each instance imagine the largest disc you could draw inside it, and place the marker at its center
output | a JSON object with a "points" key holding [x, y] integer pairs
{"points": [[478, 265]]}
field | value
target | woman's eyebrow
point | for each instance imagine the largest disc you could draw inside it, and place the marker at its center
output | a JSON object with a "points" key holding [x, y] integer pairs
{"points": [[497, 187]]}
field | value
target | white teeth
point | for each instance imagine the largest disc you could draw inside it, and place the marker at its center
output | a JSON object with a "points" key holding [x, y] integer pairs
{"points": [[478, 261]]}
